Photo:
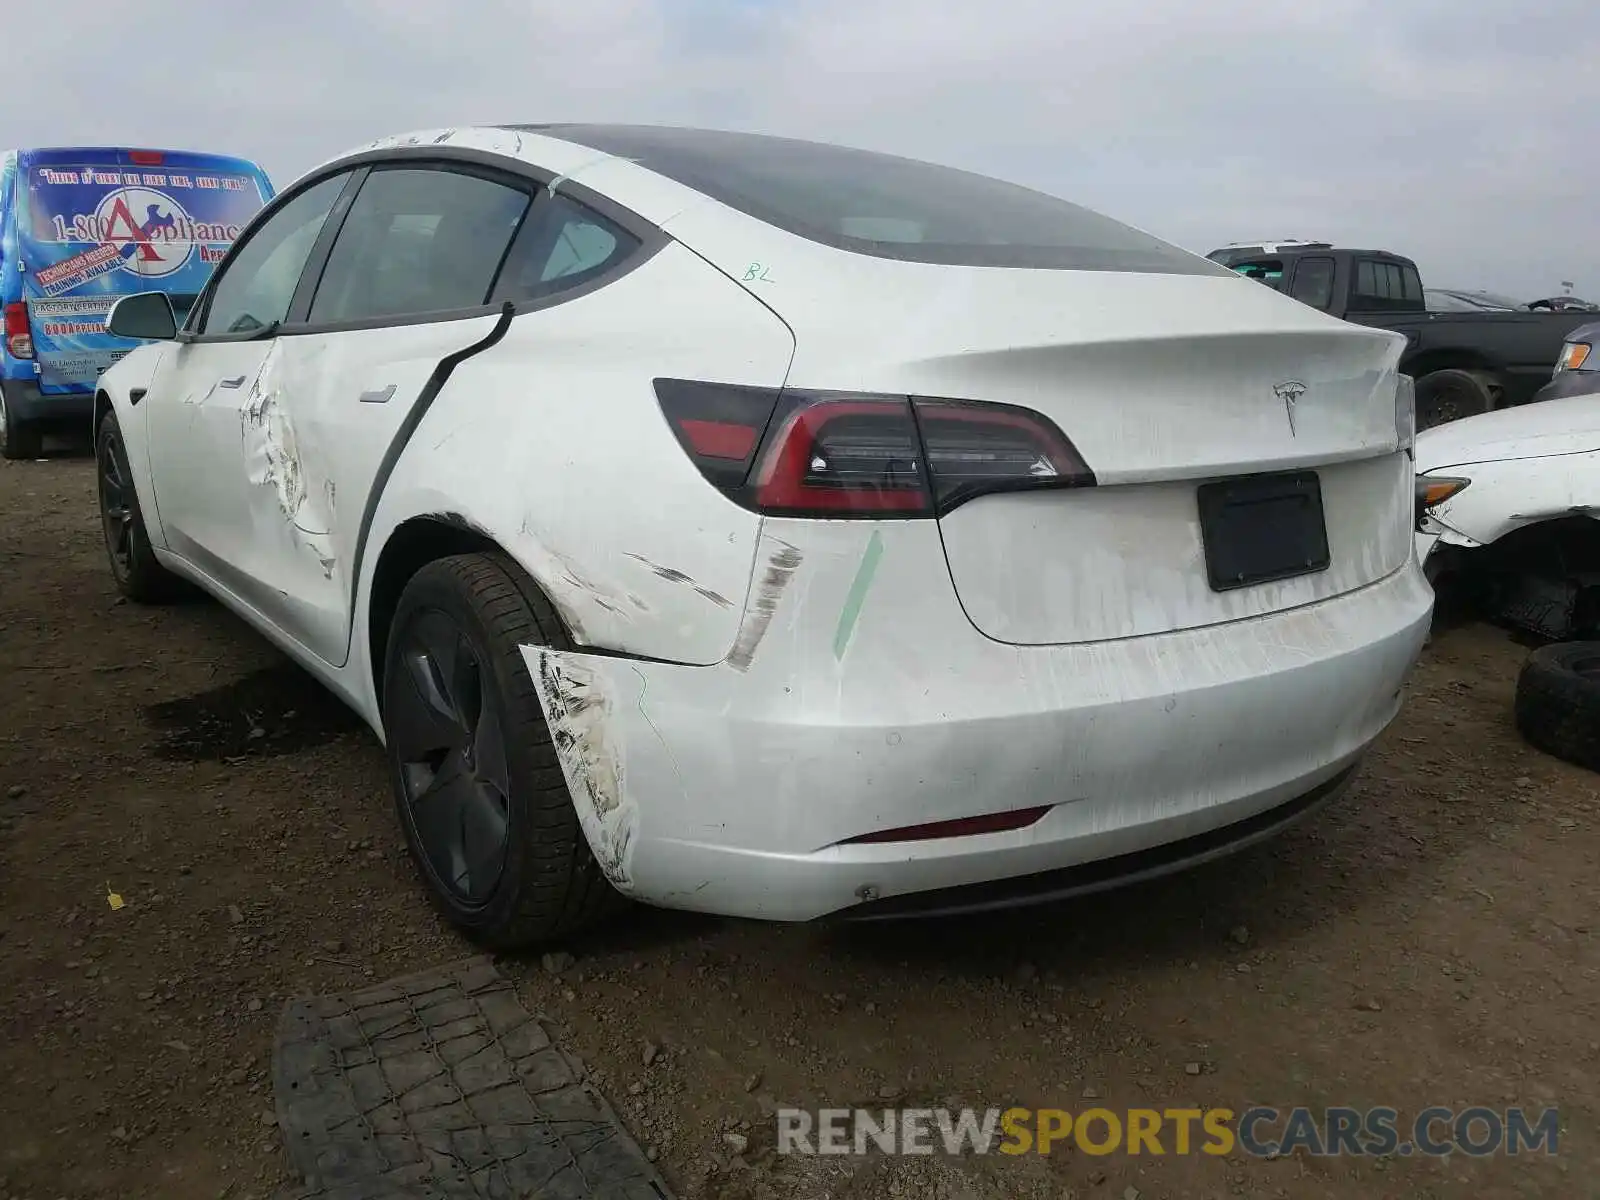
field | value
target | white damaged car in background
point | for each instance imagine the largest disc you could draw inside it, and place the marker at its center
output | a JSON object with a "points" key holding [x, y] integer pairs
{"points": [[1507, 529], [1509, 502]]}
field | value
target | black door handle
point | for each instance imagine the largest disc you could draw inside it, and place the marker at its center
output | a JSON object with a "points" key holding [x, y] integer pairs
{"points": [[236, 382]]}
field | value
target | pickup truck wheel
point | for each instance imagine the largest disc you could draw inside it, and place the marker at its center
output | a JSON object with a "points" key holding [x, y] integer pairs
{"points": [[1451, 394]]}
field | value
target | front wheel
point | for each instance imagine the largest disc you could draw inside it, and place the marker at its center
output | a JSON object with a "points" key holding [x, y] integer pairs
{"points": [[134, 568], [477, 784]]}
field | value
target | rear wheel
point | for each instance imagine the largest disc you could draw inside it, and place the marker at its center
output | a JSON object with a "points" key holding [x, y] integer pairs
{"points": [[477, 783], [138, 575], [18, 438], [1451, 394]]}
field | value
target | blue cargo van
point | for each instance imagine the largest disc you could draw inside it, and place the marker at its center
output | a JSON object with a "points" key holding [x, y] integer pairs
{"points": [[81, 227]]}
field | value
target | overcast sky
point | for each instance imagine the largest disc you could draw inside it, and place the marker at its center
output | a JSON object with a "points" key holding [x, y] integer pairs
{"points": [[1464, 133]]}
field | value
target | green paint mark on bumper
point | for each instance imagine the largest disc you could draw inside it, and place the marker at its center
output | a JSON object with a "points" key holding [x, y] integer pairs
{"points": [[858, 593]]}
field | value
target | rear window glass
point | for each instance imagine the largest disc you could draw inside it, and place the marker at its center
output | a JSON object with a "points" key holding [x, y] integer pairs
{"points": [[886, 206]]}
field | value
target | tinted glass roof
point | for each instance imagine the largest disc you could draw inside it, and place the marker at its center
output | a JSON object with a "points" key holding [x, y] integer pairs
{"points": [[885, 205]]}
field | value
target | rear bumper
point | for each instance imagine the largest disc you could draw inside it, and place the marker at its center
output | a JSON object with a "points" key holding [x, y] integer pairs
{"points": [[736, 789], [1121, 871], [28, 404]]}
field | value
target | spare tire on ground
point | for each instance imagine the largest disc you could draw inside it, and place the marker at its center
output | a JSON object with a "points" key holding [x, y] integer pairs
{"points": [[1558, 702]]}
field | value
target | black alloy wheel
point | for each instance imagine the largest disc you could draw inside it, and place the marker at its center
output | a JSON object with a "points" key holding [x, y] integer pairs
{"points": [[449, 744], [478, 785], [134, 567], [116, 504]]}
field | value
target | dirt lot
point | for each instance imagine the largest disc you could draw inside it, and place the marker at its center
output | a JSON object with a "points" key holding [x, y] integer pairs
{"points": [[1430, 941]]}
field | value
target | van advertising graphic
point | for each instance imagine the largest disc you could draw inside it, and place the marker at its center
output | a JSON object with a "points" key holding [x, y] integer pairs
{"points": [[91, 233]]}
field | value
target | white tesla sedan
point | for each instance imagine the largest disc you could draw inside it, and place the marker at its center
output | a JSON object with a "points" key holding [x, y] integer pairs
{"points": [[775, 529]]}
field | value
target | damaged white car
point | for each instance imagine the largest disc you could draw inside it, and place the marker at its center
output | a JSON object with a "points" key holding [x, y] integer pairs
{"points": [[768, 528], [1510, 500]]}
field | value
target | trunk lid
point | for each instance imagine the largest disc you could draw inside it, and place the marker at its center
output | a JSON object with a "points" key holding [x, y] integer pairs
{"points": [[1163, 383]]}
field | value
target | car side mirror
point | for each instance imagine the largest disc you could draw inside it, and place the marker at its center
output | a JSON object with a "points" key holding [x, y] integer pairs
{"points": [[147, 317]]}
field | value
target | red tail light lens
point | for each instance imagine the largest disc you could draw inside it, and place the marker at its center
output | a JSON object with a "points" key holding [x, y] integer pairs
{"points": [[852, 457], [146, 158], [975, 449], [827, 454], [19, 334], [719, 425]]}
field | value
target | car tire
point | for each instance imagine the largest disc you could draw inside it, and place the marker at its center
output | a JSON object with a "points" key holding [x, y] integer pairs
{"points": [[1558, 702], [1449, 395], [18, 439], [134, 567], [472, 764]]}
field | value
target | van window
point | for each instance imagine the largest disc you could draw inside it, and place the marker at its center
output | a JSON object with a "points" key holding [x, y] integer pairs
{"points": [[87, 219]]}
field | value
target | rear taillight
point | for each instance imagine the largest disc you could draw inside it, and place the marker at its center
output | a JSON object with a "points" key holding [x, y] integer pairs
{"points": [[835, 454], [146, 158], [843, 457], [974, 449], [19, 334]]}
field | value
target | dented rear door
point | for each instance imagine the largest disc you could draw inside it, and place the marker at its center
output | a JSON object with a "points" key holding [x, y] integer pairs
{"points": [[192, 419], [332, 414], [403, 294]]}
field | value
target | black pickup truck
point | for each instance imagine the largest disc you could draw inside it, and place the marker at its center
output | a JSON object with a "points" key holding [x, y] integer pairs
{"points": [[1463, 362]]}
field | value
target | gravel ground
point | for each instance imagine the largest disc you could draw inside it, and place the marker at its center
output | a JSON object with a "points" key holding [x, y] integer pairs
{"points": [[1428, 941]]}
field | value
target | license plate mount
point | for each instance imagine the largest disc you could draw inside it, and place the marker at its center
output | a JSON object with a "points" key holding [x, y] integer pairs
{"points": [[1262, 529]]}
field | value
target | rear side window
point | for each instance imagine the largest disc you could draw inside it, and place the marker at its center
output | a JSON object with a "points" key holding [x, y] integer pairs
{"points": [[418, 240], [1385, 285], [887, 206], [1313, 282], [562, 247]]}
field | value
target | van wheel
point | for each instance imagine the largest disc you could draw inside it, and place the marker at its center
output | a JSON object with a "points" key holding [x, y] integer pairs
{"points": [[134, 568], [18, 439], [1451, 394], [480, 792]]}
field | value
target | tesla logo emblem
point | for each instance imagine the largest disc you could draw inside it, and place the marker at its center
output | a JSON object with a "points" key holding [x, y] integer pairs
{"points": [[1290, 394]]}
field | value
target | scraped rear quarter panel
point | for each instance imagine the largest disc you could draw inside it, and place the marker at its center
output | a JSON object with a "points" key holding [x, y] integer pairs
{"points": [[554, 445]]}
